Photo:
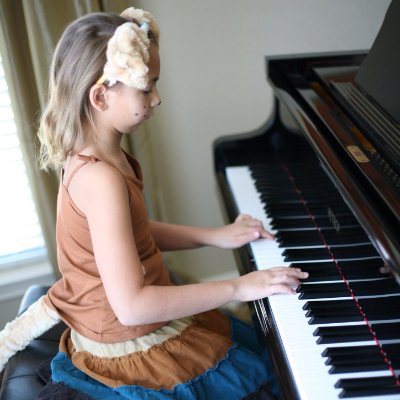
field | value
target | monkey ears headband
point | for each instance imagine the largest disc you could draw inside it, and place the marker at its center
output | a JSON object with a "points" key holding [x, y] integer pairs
{"points": [[128, 50]]}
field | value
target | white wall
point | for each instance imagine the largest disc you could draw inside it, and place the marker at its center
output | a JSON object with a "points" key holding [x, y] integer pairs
{"points": [[213, 83]]}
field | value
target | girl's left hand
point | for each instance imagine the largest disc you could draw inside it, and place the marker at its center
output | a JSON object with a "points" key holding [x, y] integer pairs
{"points": [[245, 229]]}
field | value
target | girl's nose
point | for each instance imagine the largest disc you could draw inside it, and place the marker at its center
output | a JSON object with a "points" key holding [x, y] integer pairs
{"points": [[156, 100]]}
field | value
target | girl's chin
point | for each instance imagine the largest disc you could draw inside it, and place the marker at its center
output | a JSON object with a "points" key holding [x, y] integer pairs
{"points": [[133, 127]]}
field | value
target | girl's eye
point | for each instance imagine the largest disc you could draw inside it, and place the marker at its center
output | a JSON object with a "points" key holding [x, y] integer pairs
{"points": [[150, 90]]}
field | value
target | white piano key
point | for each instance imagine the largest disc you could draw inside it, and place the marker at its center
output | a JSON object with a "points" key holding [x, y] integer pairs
{"points": [[311, 375]]}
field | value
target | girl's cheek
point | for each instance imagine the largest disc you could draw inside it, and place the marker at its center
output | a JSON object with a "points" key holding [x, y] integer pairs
{"points": [[139, 115], [141, 112]]}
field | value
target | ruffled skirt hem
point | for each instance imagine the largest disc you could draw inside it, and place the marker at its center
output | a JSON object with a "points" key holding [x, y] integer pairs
{"points": [[239, 371]]}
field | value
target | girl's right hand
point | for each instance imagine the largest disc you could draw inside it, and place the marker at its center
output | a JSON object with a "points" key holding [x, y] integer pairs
{"points": [[259, 284]]}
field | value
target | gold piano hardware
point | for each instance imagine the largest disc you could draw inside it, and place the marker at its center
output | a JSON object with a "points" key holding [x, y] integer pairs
{"points": [[358, 154]]}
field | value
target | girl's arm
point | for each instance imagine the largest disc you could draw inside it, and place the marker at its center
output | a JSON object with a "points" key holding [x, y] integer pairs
{"points": [[179, 237], [103, 197]]}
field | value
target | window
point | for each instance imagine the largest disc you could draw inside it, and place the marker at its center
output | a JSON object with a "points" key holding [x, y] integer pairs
{"points": [[21, 239]]}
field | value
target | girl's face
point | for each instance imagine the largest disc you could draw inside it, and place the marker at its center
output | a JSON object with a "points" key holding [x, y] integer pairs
{"points": [[128, 107]]}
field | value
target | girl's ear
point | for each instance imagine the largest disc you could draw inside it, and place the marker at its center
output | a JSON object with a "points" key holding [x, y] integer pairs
{"points": [[98, 97]]}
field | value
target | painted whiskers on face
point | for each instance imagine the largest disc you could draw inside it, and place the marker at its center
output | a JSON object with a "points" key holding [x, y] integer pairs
{"points": [[148, 112], [152, 94]]}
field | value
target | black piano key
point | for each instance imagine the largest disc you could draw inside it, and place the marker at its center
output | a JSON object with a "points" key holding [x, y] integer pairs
{"points": [[314, 204], [387, 331], [362, 358], [363, 363], [321, 253], [355, 359], [272, 169], [362, 269], [275, 196], [278, 174], [352, 383], [276, 185], [340, 289], [332, 311], [272, 196], [345, 333], [321, 236], [354, 269], [282, 224], [356, 333], [375, 309], [320, 291], [381, 308], [298, 215], [265, 172], [282, 205], [374, 386], [296, 210], [384, 286], [319, 271], [378, 303], [355, 351], [274, 188], [329, 317], [285, 223]]}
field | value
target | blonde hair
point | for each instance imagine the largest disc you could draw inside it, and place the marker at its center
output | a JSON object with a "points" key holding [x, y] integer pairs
{"points": [[77, 64]]}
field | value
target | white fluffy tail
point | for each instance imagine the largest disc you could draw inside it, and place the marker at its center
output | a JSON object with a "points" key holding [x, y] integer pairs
{"points": [[17, 334]]}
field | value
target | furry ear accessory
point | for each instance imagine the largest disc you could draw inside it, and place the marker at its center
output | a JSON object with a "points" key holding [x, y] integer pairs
{"points": [[128, 50]]}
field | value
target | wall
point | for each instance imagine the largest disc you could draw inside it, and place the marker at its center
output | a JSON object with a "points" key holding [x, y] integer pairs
{"points": [[213, 83], [13, 285]]}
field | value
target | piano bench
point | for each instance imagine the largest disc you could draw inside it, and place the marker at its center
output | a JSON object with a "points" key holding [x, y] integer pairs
{"points": [[20, 380]]}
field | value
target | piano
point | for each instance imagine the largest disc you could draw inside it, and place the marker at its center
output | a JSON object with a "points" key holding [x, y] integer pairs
{"points": [[323, 174]]}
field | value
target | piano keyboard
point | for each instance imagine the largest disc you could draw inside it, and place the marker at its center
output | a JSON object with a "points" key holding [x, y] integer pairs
{"points": [[348, 361]]}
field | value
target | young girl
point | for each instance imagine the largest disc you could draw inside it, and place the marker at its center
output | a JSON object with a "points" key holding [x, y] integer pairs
{"points": [[132, 333]]}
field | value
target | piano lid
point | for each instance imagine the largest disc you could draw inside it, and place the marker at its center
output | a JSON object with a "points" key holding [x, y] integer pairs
{"points": [[379, 73]]}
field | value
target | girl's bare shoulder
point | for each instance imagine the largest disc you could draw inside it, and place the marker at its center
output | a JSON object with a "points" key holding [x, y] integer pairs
{"points": [[94, 183]]}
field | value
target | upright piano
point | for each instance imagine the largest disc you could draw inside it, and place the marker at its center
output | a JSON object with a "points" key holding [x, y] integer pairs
{"points": [[323, 175]]}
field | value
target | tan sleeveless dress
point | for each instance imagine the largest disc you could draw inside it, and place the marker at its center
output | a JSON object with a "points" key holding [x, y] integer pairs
{"points": [[155, 356]]}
